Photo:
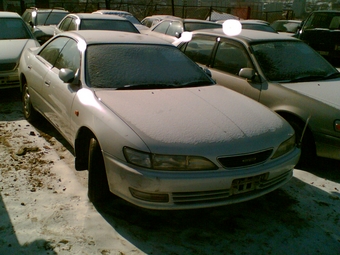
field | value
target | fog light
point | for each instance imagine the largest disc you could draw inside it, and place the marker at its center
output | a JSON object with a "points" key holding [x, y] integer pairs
{"points": [[151, 197]]}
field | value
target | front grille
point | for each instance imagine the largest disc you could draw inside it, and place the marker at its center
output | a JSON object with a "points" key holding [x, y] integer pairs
{"points": [[197, 197], [7, 67], [245, 160], [241, 189]]}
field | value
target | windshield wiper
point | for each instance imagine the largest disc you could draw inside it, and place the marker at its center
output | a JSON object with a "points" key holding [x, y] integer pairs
{"points": [[308, 78], [332, 76], [197, 83], [147, 86]]}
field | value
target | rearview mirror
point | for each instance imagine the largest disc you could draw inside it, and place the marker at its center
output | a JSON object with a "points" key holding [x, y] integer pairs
{"points": [[66, 75], [248, 73]]}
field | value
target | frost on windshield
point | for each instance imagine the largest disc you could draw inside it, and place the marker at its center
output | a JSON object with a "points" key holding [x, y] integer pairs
{"points": [[289, 60], [119, 65]]}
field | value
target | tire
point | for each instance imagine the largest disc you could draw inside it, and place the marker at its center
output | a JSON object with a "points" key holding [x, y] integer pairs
{"points": [[30, 113], [98, 188]]}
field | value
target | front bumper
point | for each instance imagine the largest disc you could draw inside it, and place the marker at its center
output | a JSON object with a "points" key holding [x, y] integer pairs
{"points": [[200, 189], [9, 79]]}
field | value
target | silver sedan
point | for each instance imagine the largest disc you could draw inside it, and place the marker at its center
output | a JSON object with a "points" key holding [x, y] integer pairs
{"points": [[282, 73], [151, 126], [15, 36]]}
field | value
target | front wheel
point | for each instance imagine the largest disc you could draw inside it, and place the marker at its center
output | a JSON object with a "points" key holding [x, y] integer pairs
{"points": [[98, 188], [30, 113]]}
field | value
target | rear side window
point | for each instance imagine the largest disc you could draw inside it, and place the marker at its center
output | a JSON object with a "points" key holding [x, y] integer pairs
{"points": [[162, 27], [175, 28]]}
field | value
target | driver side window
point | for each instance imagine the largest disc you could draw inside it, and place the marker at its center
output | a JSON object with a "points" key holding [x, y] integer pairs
{"points": [[69, 57], [231, 58], [51, 52]]}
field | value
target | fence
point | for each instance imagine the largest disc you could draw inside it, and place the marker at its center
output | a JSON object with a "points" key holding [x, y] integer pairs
{"points": [[244, 10]]}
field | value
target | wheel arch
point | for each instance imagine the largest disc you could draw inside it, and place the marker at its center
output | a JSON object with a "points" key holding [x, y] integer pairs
{"points": [[81, 148]]}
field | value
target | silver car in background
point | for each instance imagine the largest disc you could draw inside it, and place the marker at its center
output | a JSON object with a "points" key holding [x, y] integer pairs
{"points": [[151, 126], [15, 36], [282, 73]]}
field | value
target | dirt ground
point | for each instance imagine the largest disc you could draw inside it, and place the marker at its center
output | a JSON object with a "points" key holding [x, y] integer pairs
{"points": [[44, 207]]}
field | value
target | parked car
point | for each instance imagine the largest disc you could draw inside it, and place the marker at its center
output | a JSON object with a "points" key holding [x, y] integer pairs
{"points": [[172, 29], [43, 21], [282, 73], [90, 21], [15, 36], [321, 31], [150, 21], [254, 24], [124, 14], [287, 27], [150, 125]]}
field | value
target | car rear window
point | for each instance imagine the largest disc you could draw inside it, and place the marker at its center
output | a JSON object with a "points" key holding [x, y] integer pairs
{"points": [[114, 25]]}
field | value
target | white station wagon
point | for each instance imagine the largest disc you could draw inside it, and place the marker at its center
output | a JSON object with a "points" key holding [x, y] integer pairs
{"points": [[151, 126]]}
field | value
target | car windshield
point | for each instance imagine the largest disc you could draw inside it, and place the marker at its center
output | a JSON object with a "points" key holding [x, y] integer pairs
{"points": [[286, 61], [103, 24], [12, 28], [136, 66], [50, 18], [327, 20], [192, 26]]}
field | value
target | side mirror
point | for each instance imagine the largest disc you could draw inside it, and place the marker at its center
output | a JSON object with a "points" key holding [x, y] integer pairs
{"points": [[67, 75], [248, 73], [178, 35], [31, 23]]}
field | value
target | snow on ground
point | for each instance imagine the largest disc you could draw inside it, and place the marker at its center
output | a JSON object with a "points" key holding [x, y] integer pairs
{"points": [[44, 207]]}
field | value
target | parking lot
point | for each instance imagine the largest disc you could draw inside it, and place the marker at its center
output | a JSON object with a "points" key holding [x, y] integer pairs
{"points": [[44, 207]]}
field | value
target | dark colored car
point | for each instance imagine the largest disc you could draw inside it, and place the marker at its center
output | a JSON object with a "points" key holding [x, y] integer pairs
{"points": [[43, 21], [321, 31]]}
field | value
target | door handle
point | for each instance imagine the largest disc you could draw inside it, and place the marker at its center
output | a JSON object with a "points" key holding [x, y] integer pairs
{"points": [[47, 83]]}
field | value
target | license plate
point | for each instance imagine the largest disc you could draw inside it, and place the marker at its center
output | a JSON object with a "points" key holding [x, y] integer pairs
{"points": [[247, 184]]}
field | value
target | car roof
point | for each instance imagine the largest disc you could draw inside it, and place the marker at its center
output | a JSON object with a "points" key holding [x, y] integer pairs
{"points": [[95, 16], [254, 21], [101, 36], [57, 9], [329, 11], [111, 12], [9, 15], [288, 21], [247, 35]]}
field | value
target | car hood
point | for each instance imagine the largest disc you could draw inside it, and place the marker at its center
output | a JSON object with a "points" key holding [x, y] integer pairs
{"points": [[13, 49], [324, 91], [198, 117]]}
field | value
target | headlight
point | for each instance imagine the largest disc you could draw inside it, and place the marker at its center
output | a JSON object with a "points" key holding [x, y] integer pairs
{"points": [[167, 162], [285, 147]]}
